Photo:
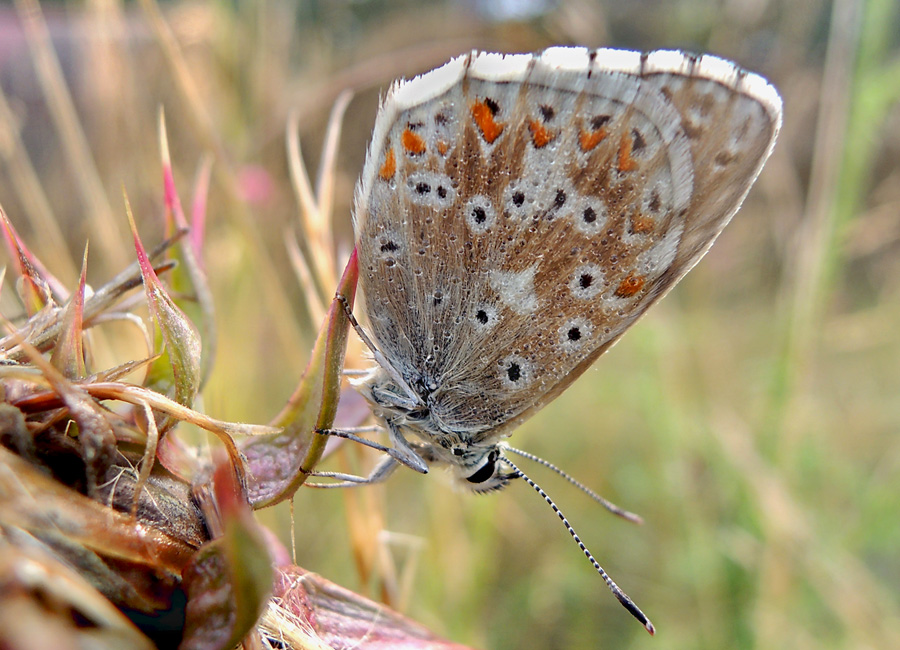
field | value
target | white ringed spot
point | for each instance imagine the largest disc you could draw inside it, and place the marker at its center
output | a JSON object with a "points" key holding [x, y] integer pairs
{"points": [[515, 371], [590, 215], [587, 281], [574, 334], [480, 214], [484, 317]]}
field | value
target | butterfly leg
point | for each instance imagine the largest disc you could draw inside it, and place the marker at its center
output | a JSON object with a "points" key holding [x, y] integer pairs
{"points": [[404, 452], [400, 451], [350, 434], [379, 474]]}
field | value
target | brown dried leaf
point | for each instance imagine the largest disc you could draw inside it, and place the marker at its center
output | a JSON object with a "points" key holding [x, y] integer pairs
{"points": [[95, 434], [45, 604], [87, 531], [229, 580], [337, 618]]}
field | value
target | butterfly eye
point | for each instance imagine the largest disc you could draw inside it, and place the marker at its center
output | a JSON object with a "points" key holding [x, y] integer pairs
{"points": [[486, 471]]}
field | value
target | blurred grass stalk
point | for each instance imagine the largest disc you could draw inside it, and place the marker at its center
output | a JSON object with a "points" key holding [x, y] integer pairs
{"points": [[846, 137]]}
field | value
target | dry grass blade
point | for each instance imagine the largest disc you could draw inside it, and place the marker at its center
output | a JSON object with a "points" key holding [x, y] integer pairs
{"points": [[104, 226], [29, 191]]}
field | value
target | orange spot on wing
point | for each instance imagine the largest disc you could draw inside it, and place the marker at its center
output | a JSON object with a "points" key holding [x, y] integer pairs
{"points": [[626, 162], [389, 166], [630, 286], [412, 142], [642, 224], [443, 148], [590, 139], [541, 136], [484, 119]]}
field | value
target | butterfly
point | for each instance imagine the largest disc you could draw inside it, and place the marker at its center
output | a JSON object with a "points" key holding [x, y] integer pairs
{"points": [[517, 214]]}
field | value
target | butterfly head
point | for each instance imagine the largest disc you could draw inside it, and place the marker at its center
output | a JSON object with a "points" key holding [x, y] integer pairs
{"points": [[475, 466]]}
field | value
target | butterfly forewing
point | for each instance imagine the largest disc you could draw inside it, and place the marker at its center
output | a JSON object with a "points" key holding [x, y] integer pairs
{"points": [[517, 215]]}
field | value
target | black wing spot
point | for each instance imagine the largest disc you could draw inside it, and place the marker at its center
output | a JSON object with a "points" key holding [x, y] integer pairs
{"points": [[638, 141], [423, 188], [573, 334], [589, 215], [599, 121], [492, 105], [547, 112], [479, 214], [585, 280], [518, 199], [560, 199], [514, 372]]}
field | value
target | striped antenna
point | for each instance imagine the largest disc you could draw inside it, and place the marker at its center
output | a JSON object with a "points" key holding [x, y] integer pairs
{"points": [[623, 598]]}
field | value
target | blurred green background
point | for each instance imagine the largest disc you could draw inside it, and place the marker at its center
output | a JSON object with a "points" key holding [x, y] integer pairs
{"points": [[751, 418]]}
